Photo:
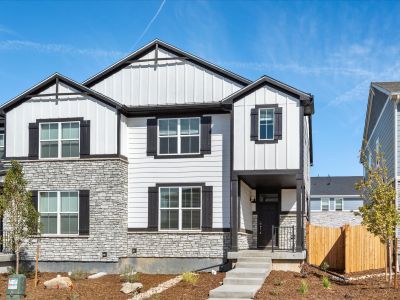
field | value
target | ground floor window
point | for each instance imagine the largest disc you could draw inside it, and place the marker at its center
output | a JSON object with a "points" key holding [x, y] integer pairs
{"points": [[59, 212], [180, 208]]}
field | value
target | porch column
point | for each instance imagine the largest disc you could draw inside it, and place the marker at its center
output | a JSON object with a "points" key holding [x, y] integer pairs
{"points": [[299, 210], [234, 214]]}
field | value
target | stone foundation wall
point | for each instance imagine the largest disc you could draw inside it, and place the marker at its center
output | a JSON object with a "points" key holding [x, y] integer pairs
{"points": [[165, 244], [107, 181]]}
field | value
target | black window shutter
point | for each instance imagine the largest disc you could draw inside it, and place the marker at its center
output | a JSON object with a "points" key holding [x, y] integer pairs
{"points": [[153, 209], [84, 214], [33, 141], [34, 199], [254, 124], [85, 139], [278, 123], [207, 208], [205, 144], [151, 137]]}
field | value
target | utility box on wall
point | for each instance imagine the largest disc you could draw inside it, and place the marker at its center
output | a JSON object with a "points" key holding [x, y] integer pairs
{"points": [[16, 287]]}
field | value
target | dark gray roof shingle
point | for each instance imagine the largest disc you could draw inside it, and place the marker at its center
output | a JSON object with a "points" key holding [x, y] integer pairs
{"points": [[392, 86], [334, 185]]}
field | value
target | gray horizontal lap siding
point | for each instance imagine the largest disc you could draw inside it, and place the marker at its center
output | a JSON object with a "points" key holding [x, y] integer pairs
{"points": [[385, 132]]}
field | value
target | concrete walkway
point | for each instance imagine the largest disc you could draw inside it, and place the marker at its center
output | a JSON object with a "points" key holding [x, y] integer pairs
{"points": [[243, 282]]}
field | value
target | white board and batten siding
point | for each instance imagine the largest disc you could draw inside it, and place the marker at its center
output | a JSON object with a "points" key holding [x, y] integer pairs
{"points": [[277, 156], [145, 171], [170, 82], [103, 120]]}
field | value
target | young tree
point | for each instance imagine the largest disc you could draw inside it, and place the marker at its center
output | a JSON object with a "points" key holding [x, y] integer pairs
{"points": [[379, 213], [17, 207]]}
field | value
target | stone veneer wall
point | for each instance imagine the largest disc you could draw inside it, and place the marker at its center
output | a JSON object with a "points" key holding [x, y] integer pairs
{"points": [[107, 180], [245, 241], [334, 218], [180, 244]]}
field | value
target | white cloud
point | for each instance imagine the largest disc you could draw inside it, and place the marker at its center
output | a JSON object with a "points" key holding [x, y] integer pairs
{"points": [[57, 48]]}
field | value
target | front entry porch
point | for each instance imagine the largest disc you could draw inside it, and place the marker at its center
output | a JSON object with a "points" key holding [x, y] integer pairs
{"points": [[269, 212]]}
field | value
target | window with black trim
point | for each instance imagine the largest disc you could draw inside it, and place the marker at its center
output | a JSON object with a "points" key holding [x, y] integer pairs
{"points": [[180, 208], [179, 136], [59, 139], [59, 212]]}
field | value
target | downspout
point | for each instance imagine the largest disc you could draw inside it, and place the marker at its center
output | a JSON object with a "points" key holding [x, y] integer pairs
{"points": [[395, 103]]}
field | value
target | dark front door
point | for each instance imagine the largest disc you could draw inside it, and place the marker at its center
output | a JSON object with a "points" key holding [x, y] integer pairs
{"points": [[268, 216]]}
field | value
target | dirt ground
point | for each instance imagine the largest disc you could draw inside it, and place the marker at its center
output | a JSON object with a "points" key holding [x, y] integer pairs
{"points": [[106, 287], [186, 291], [285, 285]]}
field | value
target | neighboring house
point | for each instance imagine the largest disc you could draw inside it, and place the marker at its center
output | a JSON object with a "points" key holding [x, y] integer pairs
{"points": [[381, 130], [334, 201], [163, 161]]}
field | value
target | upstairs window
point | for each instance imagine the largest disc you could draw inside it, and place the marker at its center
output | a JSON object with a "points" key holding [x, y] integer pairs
{"points": [[59, 140], [266, 123], [2, 153], [179, 136]]}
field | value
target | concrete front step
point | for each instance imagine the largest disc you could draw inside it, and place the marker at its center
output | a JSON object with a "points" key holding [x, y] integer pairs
{"points": [[234, 291], [244, 281], [254, 259], [254, 253], [255, 265], [247, 273]]}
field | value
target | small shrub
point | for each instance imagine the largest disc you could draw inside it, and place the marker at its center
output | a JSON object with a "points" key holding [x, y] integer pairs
{"points": [[324, 266], [303, 287], [190, 277], [129, 275], [278, 282], [74, 297], [275, 292], [325, 282], [78, 275]]}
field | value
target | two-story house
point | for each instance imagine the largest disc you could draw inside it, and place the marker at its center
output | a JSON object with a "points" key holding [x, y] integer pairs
{"points": [[381, 130], [163, 161], [334, 201]]}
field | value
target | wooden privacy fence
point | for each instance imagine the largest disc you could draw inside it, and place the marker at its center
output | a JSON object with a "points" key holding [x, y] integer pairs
{"points": [[348, 248]]}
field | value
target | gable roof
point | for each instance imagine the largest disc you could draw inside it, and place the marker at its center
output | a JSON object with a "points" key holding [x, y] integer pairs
{"points": [[334, 185], [377, 97], [174, 50], [56, 77], [276, 84]]}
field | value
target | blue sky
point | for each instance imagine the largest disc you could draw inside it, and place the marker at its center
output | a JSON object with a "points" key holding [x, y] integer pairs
{"points": [[330, 49]]}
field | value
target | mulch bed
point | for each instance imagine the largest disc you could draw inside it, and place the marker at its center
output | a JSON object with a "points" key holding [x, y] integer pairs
{"points": [[187, 291], [106, 287], [285, 285]]}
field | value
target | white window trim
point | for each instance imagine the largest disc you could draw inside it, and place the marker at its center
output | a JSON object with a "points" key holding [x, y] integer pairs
{"points": [[342, 200], [58, 214], [178, 136], [273, 123], [59, 140], [180, 209], [329, 203], [343, 197]]}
